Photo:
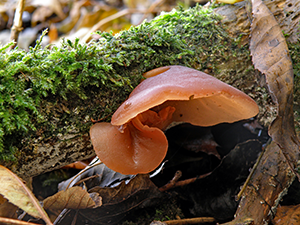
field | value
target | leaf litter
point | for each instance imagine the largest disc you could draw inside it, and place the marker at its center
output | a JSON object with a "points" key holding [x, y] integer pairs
{"points": [[14, 189], [278, 166], [113, 183], [73, 198], [116, 201]]}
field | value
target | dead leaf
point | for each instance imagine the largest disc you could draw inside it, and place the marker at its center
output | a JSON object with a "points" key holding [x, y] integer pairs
{"points": [[13, 189], [72, 198], [54, 5], [273, 174], [265, 189], [287, 215], [270, 56], [98, 175], [121, 199], [40, 15], [7, 209], [89, 19], [118, 201], [67, 24]]}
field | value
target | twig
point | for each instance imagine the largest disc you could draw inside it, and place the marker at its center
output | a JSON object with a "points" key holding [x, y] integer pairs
{"points": [[173, 184], [86, 179], [176, 177], [17, 26], [117, 15], [14, 221], [99, 120], [196, 220], [81, 172], [239, 195], [151, 9]]}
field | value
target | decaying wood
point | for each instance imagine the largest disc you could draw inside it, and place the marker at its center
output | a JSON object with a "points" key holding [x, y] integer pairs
{"points": [[267, 187], [62, 150], [287, 14]]}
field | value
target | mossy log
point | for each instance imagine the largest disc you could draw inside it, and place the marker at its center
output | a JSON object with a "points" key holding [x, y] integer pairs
{"points": [[49, 96]]}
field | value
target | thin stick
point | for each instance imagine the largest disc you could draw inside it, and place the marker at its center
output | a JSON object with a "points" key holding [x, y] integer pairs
{"points": [[173, 184], [117, 15], [196, 220], [81, 172], [151, 9], [17, 26], [239, 195], [14, 221]]}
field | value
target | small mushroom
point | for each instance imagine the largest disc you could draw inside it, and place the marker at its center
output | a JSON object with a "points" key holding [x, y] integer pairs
{"points": [[134, 141]]}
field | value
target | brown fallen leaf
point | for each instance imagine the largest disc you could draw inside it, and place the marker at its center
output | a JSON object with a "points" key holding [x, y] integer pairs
{"points": [[7, 209], [116, 202], [123, 198], [54, 5], [67, 24], [270, 55], [287, 215], [40, 15], [277, 168], [72, 198], [96, 174], [13, 189]]}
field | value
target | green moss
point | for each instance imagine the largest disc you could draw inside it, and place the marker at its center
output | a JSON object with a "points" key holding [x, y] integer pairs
{"points": [[50, 92], [295, 52]]}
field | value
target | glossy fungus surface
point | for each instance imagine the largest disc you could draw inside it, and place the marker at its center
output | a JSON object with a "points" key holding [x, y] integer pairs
{"points": [[134, 142]]}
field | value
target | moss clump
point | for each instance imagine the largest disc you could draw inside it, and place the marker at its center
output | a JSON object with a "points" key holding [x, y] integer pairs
{"points": [[84, 81], [295, 52]]}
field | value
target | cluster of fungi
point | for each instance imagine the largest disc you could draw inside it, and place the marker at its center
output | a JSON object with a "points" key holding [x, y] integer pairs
{"points": [[134, 141]]}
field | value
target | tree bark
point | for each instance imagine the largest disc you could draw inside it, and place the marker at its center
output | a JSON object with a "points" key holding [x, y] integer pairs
{"points": [[69, 120]]}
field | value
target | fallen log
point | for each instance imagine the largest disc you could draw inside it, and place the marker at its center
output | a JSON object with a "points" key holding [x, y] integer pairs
{"points": [[69, 85]]}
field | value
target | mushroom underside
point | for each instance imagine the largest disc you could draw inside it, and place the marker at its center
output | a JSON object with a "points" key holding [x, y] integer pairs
{"points": [[140, 145], [136, 147], [134, 142]]}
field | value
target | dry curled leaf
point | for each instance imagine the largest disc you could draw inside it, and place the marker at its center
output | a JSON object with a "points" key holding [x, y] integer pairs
{"points": [[121, 199], [96, 174], [273, 175], [13, 189], [72, 198], [270, 56], [117, 201], [54, 5], [287, 215]]}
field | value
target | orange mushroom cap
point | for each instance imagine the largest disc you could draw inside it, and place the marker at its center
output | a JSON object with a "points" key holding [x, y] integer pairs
{"points": [[134, 143], [199, 98]]}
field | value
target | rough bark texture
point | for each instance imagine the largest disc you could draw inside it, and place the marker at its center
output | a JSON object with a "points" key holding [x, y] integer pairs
{"points": [[268, 185], [42, 151]]}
